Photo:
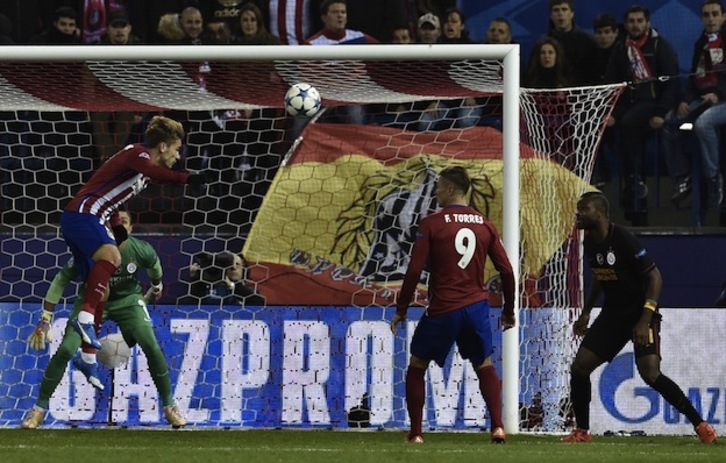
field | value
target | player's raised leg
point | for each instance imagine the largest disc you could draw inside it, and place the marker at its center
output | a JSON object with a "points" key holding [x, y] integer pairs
{"points": [[96, 258]]}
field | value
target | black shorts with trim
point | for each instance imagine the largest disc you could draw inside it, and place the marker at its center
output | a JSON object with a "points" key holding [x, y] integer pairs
{"points": [[609, 334]]}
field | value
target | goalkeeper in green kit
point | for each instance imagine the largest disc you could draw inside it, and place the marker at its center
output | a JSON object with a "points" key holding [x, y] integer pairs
{"points": [[127, 307]]}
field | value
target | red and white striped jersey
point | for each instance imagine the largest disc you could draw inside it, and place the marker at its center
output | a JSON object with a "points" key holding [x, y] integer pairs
{"points": [[120, 178], [290, 20]]}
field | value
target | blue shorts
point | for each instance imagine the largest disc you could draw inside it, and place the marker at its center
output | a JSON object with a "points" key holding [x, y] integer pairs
{"points": [[469, 327], [84, 234]]}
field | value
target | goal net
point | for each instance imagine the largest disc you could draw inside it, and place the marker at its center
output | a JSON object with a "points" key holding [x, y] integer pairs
{"points": [[323, 212]]}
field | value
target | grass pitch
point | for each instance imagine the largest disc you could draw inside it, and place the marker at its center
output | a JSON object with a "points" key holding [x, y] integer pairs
{"points": [[212, 446]]}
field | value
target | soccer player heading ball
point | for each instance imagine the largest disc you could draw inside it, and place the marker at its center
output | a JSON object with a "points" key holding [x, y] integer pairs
{"points": [[95, 249], [127, 307]]}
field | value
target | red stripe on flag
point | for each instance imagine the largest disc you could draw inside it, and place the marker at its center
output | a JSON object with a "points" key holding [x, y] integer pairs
{"points": [[274, 282], [326, 143]]}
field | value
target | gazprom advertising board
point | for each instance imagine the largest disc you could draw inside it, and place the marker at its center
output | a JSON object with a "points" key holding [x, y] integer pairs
{"points": [[310, 366]]}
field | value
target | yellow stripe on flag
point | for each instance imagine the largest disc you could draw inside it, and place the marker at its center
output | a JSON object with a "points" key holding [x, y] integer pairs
{"points": [[332, 211]]}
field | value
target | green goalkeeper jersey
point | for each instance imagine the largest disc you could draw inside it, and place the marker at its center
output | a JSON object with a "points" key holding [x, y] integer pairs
{"points": [[125, 286]]}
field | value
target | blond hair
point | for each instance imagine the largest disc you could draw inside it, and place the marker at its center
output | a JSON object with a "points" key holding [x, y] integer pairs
{"points": [[163, 129]]}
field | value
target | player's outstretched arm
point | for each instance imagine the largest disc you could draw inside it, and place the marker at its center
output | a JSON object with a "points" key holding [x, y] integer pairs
{"points": [[42, 333]]}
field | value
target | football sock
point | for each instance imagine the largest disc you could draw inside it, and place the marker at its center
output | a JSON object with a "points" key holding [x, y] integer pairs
{"points": [[54, 372], [98, 316], [87, 349], [85, 317], [163, 385], [674, 395], [581, 390], [415, 394], [97, 320], [159, 373], [146, 340], [491, 390], [96, 285]]}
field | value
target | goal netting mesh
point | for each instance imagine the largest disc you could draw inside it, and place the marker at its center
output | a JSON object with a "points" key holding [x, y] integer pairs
{"points": [[323, 211]]}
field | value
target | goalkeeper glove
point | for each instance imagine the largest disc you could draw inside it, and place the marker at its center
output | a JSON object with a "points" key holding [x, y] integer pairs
{"points": [[154, 293], [42, 333], [120, 233]]}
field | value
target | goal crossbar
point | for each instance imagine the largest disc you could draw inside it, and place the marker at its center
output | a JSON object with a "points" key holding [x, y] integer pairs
{"points": [[77, 53]]}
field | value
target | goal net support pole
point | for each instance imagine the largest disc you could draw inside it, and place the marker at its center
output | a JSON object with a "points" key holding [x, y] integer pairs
{"points": [[510, 236]]}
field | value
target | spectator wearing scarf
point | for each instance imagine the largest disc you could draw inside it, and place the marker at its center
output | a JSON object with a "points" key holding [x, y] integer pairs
{"points": [[641, 60], [704, 105]]}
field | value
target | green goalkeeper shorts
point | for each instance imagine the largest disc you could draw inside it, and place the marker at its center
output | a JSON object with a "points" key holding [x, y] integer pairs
{"points": [[132, 317]]}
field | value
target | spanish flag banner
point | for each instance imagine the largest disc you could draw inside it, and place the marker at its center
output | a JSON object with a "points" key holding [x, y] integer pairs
{"points": [[338, 223]]}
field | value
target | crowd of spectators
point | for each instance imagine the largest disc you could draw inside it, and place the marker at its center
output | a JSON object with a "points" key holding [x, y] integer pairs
{"points": [[197, 21], [566, 55]]}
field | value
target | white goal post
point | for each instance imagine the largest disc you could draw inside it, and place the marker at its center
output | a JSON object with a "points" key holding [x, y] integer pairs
{"points": [[122, 71]]}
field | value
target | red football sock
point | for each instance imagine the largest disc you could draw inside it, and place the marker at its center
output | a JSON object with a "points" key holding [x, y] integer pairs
{"points": [[88, 349], [96, 285], [491, 389], [98, 316], [415, 395]]}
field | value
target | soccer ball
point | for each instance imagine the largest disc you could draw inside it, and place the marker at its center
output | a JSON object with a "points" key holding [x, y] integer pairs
{"points": [[302, 100], [114, 352]]}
